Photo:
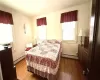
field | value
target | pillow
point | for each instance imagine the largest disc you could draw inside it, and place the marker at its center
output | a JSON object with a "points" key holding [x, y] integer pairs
{"points": [[57, 42], [53, 41], [27, 49]]}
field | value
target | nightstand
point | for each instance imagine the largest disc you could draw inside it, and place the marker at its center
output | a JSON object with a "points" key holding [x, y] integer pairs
{"points": [[34, 45]]}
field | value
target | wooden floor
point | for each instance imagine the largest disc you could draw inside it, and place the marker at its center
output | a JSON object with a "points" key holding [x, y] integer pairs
{"points": [[69, 70]]}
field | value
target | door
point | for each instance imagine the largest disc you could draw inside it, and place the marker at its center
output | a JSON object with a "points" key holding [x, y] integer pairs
{"points": [[94, 59]]}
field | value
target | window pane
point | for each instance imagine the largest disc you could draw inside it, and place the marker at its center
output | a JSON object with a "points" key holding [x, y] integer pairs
{"points": [[42, 32], [5, 33], [68, 30]]}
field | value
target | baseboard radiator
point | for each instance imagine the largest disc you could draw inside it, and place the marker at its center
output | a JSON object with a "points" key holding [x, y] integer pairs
{"points": [[19, 59], [70, 56]]}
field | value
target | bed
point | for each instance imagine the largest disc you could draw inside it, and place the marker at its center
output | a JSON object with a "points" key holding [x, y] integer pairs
{"points": [[44, 59]]}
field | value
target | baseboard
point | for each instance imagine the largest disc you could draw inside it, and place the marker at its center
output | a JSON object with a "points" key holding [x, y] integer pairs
{"points": [[19, 59], [69, 56]]}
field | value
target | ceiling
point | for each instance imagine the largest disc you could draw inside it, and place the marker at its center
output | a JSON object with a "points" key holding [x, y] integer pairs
{"points": [[36, 7]]}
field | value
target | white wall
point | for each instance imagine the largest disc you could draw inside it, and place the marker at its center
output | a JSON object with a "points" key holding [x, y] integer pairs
{"points": [[54, 29], [19, 37]]}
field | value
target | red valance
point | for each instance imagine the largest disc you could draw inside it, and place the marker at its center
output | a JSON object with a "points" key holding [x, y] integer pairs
{"points": [[41, 21], [69, 16], [6, 17]]}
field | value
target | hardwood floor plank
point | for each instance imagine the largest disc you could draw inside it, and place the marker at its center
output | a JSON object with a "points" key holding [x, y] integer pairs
{"points": [[69, 70]]}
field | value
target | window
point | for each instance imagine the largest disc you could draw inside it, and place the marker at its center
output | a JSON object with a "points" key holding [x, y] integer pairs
{"points": [[69, 31], [5, 33], [41, 29], [68, 20], [41, 32]]}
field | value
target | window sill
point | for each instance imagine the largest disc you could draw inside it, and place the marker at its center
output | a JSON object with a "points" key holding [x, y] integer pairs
{"points": [[70, 42]]}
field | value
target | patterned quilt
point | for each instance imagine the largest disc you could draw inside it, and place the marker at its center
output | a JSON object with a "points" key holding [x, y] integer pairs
{"points": [[44, 57]]}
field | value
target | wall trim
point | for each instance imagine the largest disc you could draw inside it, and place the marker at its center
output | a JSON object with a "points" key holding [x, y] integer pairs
{"points": [[19, 59], [69, 56]]}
